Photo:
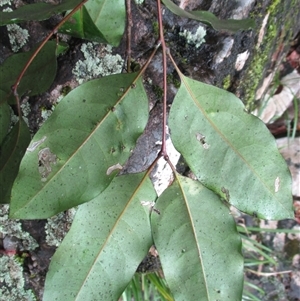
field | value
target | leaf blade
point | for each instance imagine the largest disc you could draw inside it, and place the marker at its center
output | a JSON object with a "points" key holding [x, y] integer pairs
{"points": [[93, 128], [198, 244], [36, 11], [12, 151], [41, 71], [81, 25], [233, 141], [114, 237], [111, 25], [208, 18], [99, 21]]}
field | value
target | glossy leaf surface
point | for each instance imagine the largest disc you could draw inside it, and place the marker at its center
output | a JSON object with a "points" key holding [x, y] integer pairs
{"points": [[108, 239], [198, 244], [36, 11], [230, 151], [99, 20], [12, 151], [38, 77], [208, 18], [93, 128]]}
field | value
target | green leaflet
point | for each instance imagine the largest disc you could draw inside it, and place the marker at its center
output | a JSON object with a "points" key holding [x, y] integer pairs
{"points": [[98, 20], [38, 77], [198, 244], [12, 150], [108, 239], [208, 18], [230, 151], [36, 11], [93, 128]]}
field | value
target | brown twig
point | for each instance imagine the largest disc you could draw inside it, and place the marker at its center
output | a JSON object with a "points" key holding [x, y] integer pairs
{"points": [[128, 33], [163, 151], [54, 31]]}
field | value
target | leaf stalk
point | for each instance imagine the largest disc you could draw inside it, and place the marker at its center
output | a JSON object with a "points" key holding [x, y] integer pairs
{"points": [[163, 151], [128, 33]]}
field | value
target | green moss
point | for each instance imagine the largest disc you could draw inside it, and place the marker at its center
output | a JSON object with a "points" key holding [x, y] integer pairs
{"points": [[262, 54], [227, 82], [172, 80], [158, 91], [253, 79], [21, 258], [176, 83], [135, 66], [155, 27], [65, 90], [273, 6]]}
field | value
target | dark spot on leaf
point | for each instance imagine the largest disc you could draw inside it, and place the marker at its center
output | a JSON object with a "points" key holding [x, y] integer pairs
{"points": [[227, 195], [201, 139], [112, 150]]}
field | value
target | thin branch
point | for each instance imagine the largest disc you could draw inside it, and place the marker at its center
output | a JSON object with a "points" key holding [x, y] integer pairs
{"points": [[174, 64], [163, 151], [128, 33]]}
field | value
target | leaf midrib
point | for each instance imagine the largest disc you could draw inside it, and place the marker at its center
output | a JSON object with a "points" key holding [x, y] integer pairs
{"points": [[32, 198], [194, 233], [110, 234], [224, 138]]}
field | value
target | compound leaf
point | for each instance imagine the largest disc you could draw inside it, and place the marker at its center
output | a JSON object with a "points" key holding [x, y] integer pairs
{"points": [[12, 151], [93, 128], [99, 20], [230, 151], [38, 77], [210, 19], [198, 244], [108, 239]]}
